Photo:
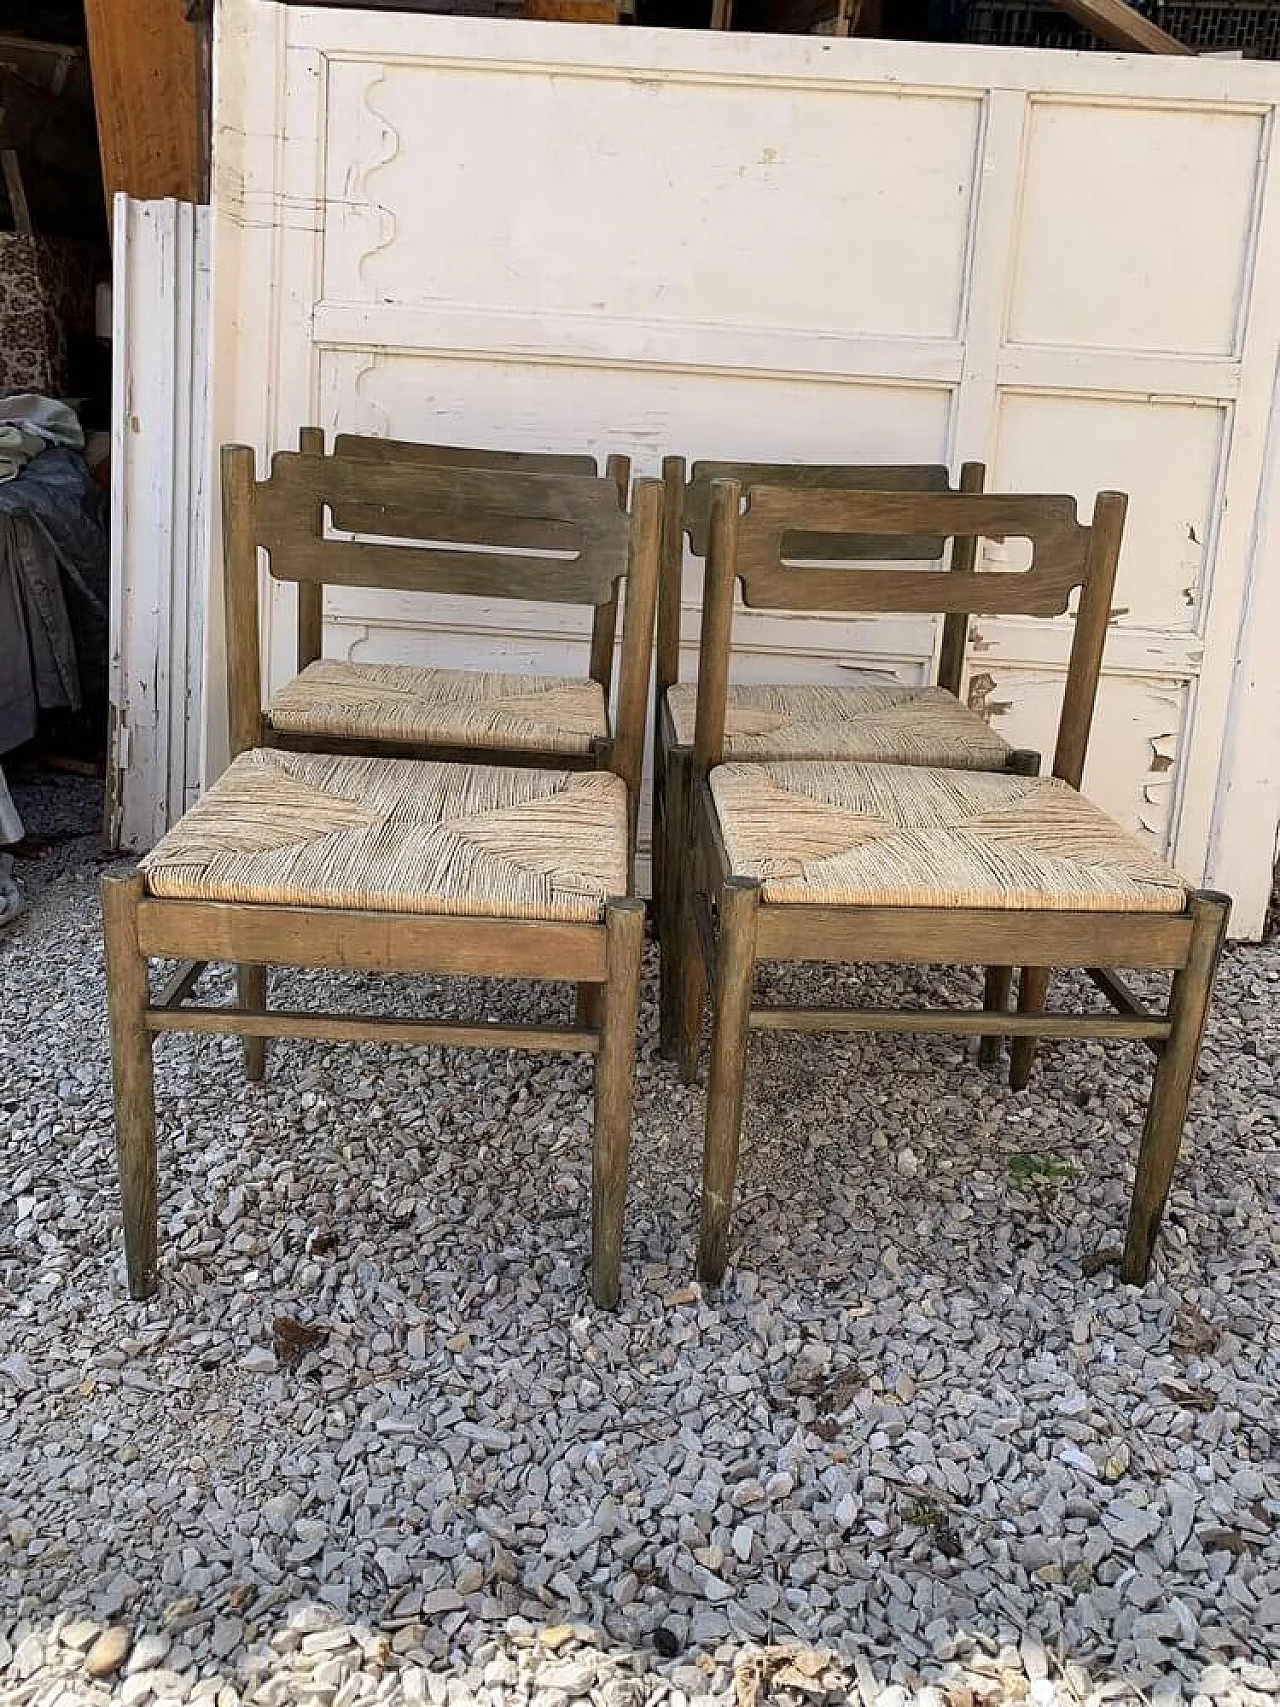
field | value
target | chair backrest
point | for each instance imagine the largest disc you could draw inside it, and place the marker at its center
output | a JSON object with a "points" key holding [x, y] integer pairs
{"points": [[753, 542], [434, 524], [688, 515], [604, 620]]}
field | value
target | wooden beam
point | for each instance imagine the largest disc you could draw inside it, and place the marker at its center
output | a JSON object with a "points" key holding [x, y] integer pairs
{"points": [[374, 1028], [143, 57], [1121, 26], [959, 1022]]}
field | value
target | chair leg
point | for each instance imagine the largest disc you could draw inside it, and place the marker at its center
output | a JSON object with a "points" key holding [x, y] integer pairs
{"points": [[1033, 989], [691, 987], [669, 902], [615, 1084], [586, 1006], [1171, 1087], [251, 992], [999, 983], [128, 997], [735, 968]]}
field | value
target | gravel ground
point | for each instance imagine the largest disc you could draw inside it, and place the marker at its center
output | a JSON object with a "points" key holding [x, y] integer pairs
{"points": [[372, 1443]]}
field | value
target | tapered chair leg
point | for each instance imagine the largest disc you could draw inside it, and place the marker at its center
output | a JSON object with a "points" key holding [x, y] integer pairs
{"points": [[1033, 990], [691, 987], [128, 996], [735, 968], [251, 991], [689, 973], [999, 983], [615, 1085], [669, 901], [1171, 1087]]}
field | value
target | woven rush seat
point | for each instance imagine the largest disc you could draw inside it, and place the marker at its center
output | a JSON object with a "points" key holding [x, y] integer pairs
{"points": [[400, 835], [890, 835], [915, 726], [445, 708]]}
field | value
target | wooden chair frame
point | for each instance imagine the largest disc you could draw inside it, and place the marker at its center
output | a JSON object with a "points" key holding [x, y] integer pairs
{"points": [[687, 513], [602, 958], [446, 493], [140, 927], [734, 930]]}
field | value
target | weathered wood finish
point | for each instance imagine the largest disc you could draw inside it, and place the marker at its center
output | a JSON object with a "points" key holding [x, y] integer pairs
{"points": [[770, 582], [179, 984], [361, 941], [1090, 637], [957, 1022], [134, 1079], [1171, 1091], [615, 1083], [607, 954], [819, 476], [456, 505], [251, 993], [374, 1028], [964, 557], [947, 936], [240, 599], [310, 593], [499, 497], [643, 549], [739, 911]]}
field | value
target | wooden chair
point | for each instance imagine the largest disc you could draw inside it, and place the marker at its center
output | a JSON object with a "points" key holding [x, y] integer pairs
{"points": [[333, 705], [889, 724], [371, 863], [851, 863]]}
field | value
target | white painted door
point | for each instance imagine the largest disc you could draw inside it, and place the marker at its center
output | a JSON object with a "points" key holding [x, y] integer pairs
{"points": [[541, 236]]}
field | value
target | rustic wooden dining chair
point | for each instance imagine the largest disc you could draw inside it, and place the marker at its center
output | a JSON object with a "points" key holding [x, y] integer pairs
{"points": [[374, 863], [888, 723], [339, 705], [850, 863]]}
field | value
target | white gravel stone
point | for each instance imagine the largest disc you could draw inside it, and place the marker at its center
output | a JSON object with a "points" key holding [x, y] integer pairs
{"points": [[909, 1434]]}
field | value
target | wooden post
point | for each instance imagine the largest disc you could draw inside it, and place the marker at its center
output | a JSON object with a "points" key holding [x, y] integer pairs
{"points": [[240, 596], [615, 1082], [689, 975], [128, 997], [311, 593], [1033, 991], [735, 968], [604, 624], [637, 641], [671, 576], [1171, 1088], [955, 625], [251, 990], [999, 980], [1092, 617], [717, 627]]}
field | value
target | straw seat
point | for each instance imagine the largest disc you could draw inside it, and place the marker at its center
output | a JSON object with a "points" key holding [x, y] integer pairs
{"points": [[892, 835], [895, 725], [400, 835], [442, 708]]}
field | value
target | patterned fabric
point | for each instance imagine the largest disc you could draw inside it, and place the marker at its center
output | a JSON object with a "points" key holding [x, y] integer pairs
{"points": [[908, 726], [47, 287], [895, 835], [400, 835], [446, 708]]}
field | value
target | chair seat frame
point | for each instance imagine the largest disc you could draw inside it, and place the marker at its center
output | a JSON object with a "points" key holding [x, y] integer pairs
{"points": [[140, 927], [687, 510], [741, 929]]}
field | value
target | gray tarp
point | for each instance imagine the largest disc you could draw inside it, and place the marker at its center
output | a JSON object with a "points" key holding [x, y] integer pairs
{"points": [[54, 580]]}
